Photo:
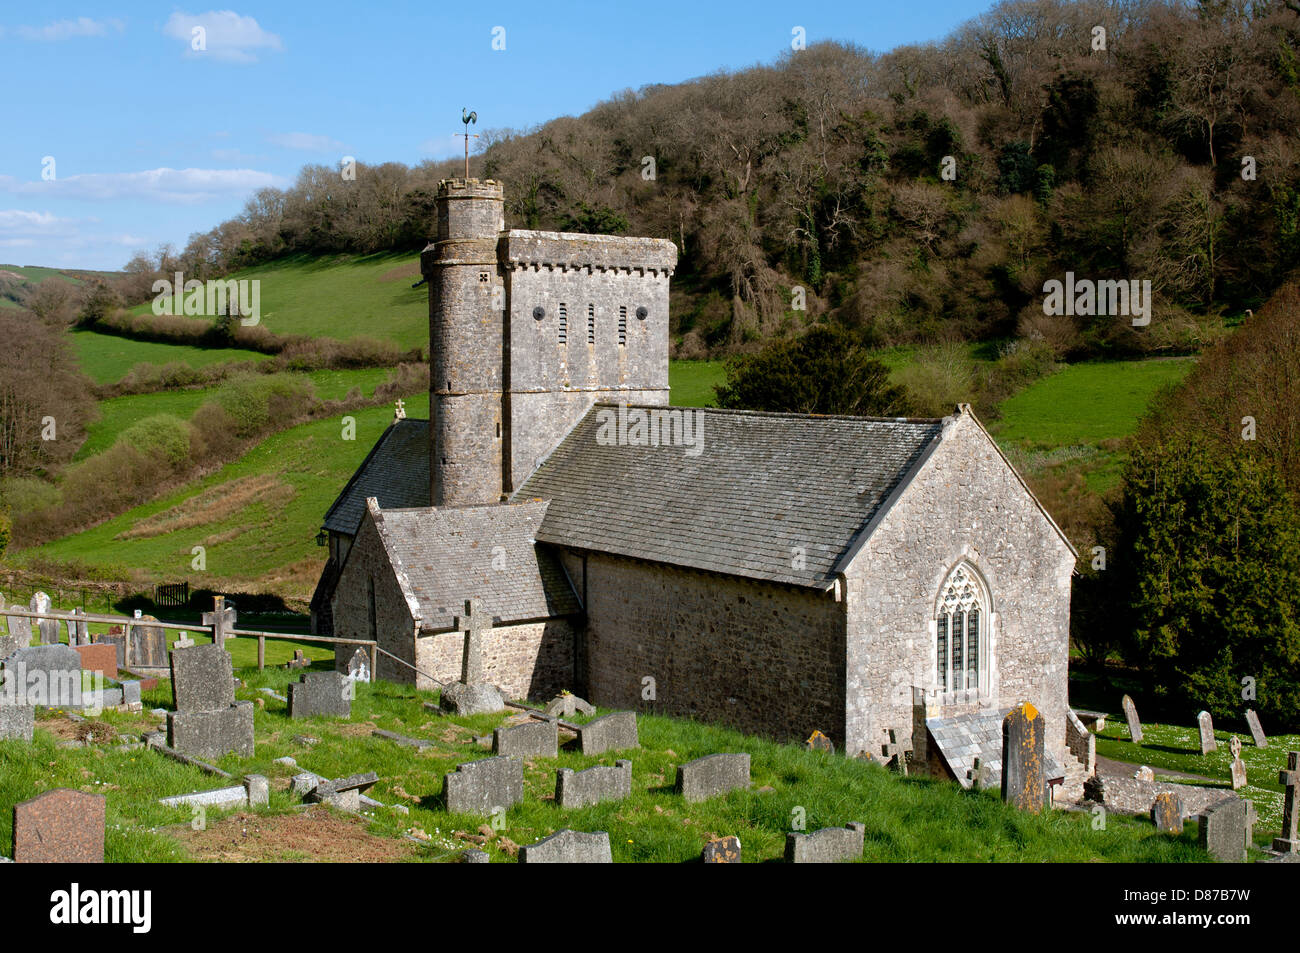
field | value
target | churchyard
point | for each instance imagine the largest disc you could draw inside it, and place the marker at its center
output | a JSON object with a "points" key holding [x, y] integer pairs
{"points": [[396, 749]]}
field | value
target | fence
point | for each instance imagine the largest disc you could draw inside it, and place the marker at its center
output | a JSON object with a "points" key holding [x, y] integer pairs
{"points": [[171, 595]]}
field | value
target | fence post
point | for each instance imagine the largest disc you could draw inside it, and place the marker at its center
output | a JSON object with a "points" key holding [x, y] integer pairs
{"points": [[261, 652], [374, 660]]}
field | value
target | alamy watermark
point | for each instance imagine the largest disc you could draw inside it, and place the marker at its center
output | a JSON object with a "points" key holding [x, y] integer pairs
{"points": [[1084, 296], [651, 427], [210, 298]]}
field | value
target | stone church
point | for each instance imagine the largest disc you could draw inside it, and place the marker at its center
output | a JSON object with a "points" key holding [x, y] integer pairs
{"points": [[887, 581]]}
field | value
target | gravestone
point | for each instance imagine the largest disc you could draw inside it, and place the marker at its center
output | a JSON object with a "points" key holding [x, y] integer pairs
{"points": [[1251, 819], [1167, 813], [147, 645], [344, 793], [328, 694], [299, 660], [1023, 779], [826, 846], [613, 732], [10, 644], [46, 675], [474, 856], [49, 628], [1206, 725], [534, 739], [569, 847], [567, 704], [16, 721], [712, 775], [480, 787], [1256, 730], [1290, 779], [1144, 773], [60, 827], [1134, 723], [471, 695], [20, 630], [723, 850], [817, 741], [118, 641], [78, 632], [208, 722], [894, 751], [222, 618], [1237, 768], [359, 667], [1223, 830], [575, 789], [98, 658]]}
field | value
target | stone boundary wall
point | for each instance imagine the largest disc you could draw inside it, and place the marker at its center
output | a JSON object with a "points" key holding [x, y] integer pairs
{"points": [[1134, 796]]}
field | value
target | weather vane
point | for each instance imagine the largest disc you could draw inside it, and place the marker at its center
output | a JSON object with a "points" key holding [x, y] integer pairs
{"points": [[467, 119]]}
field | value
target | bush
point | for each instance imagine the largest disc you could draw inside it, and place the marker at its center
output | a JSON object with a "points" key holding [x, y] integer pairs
{"points": [[252, 401], [162, 437]]}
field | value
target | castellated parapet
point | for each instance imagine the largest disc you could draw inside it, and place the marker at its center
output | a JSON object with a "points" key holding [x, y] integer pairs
{"points": [[527, 329]]}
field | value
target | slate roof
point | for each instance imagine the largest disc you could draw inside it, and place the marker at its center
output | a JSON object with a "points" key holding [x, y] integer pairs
{"points": [[762, 485], [396, 472], [963, 738], [444, 555]]}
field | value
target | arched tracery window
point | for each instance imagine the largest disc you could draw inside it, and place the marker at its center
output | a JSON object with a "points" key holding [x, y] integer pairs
{"points": [[961, 621]]}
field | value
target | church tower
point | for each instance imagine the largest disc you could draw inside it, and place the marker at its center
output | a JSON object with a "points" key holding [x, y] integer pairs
{"points": [[466, 373]]}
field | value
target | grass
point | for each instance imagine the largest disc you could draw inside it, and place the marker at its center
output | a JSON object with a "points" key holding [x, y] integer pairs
{"points": [[264, 534], [907, 820], [691, 383], [342, 297], [106, 358]]}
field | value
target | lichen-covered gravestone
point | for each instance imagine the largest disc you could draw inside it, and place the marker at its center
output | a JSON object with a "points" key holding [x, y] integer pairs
{"points": [[613, 732], [1024, 783], [1223, 830], [16, 721], [1167, 813], [818, 741], [49, 628], [147, 645], [712, 775], [1290, 779], [471, 695], [481, 787], [46, 675], [60, 827], [328, 694], [1134, 723], [1256, 730], [574, 789], [1206, 725], [569, 847], [536, 739], [723, 850], [826, 846], [359, 667], [1238, 767], [208, 722]]}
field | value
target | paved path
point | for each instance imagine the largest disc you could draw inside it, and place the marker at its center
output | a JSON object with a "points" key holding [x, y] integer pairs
{"points": [[1124, 769]]}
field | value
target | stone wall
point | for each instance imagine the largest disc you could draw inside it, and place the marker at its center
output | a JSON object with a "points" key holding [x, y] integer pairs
{"points": [[760, 657], [368, 565], [1081, 742], [1133, 796], [964, 503], [532, 661]]}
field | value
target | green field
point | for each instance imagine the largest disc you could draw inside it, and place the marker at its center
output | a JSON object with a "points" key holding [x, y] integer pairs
{"points": [[256, 517], [343, 297], [906, 819], [106, 358], [691, 383]]}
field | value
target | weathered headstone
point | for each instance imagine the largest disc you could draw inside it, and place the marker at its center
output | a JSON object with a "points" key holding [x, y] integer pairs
{"points": [[1131, 716], [575, 789], [147, 645], [78, 632], [723, 850], [480, 787], [98, 658], [1251, 819], [1256, 730], [471, 695], [208, 722], [1167, 813], [344, 793], [222, 618], [817, 741], [1144, 773], [568, 847], [1290, 779], [118, 641], [49, 628], [20, 630], [45, 675], [613, 732], [9, 644], [894, 750], [60, 827], [1223, 830], [712, 775], [1024, 783], [328, 694], [534, 739], [567, 704], [16, 721], [474, 856], [1206, 725], [1238, 767], [826, 846], [359, 666]]}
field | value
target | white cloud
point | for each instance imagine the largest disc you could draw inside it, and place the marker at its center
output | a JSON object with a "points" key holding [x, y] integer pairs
{"points": [[177, 186], [305, 141], [226, 35], [66, 29], [20, 220]]}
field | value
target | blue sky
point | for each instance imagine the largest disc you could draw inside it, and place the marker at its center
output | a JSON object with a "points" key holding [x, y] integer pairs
{"points": [[152, 140]]}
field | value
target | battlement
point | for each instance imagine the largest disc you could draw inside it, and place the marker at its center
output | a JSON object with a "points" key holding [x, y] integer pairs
{"points": [[565, 251], [471, 188]]}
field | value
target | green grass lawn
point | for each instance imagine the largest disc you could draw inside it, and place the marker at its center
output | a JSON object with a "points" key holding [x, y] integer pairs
{"points": [[342, 297], [256, 517], [106, 358], [907, 819], [691, 383]]}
